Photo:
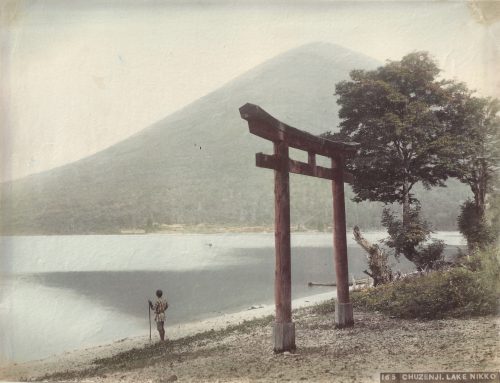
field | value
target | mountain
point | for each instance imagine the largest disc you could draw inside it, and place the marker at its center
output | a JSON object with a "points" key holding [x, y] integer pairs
{"points": [[197, 165]]}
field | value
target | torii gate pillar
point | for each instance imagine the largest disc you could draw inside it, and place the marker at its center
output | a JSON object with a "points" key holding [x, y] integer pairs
{"points": [[284, 328], [283, 136], [343, 307]]}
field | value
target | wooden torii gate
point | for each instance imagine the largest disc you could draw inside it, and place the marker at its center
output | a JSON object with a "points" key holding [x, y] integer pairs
{"points": [[283, 136]]}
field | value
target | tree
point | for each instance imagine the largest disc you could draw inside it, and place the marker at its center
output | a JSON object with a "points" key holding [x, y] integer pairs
{"points": [[476, 152], [476, 165], [477, 149], [399, 115], [473, 226], [493, 213], [378, 261]]}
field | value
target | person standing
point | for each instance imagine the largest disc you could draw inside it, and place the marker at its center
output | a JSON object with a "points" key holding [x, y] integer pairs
{"points": [[160, 306]]}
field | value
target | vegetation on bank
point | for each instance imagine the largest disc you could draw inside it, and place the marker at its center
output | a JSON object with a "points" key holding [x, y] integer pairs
{"points": [[470, 289]]}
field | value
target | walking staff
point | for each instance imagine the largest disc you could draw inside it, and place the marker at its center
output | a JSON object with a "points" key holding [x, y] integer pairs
{"points": [[149, 312]]}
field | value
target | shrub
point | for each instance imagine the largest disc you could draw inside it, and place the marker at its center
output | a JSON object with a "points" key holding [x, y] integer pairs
{"points": [[473, 226], [461, 291], [409, 239]]}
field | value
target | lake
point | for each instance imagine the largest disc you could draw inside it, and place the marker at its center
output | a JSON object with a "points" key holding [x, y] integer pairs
{"points": [[61, 293]]}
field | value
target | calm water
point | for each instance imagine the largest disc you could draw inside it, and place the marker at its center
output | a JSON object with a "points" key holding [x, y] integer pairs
{"points": [[59, 293]]}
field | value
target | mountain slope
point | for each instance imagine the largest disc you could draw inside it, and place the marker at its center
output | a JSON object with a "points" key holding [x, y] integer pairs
{"points": [[196, 165]]}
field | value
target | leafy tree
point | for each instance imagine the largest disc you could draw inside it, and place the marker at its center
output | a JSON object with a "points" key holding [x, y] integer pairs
{"points": [[479, 149], [476, 152], [399, 114], [493, 213]]}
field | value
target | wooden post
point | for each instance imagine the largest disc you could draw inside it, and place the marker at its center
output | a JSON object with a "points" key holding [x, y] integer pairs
{"points": [[343, 307], [284, 329]]}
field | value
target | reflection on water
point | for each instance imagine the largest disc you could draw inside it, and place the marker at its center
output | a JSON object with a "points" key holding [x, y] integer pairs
{"points": [[197, 293], [61, 307], [200, 293], [37, 321]]}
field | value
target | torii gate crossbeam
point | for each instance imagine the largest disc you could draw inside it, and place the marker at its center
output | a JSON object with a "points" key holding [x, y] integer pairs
{"points": [[283, 137]]}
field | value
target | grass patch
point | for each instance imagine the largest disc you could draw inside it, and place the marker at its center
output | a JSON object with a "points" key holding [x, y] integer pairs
{"points": [[172, 350], [471, 290], [324, 308]]}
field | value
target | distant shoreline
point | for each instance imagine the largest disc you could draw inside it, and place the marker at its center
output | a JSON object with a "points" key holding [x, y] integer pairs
{"points": [[183, 229], [206, 229]]}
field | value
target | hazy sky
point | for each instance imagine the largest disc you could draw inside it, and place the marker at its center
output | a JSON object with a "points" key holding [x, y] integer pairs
{"points": [[78, 76]]}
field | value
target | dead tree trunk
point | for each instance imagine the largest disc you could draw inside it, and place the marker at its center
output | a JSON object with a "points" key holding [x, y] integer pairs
{"points": [[378, 265]]}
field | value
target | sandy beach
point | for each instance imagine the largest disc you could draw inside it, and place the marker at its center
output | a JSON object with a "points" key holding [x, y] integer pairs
{"points": [[81, 359], [237, 348]]}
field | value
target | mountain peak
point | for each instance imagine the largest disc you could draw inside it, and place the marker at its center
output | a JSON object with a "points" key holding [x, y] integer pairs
{"points": [[330, 50], [318, 46], [196, 165]]}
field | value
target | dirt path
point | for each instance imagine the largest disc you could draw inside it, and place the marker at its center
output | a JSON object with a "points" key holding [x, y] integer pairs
{"points": [[243, 353]]}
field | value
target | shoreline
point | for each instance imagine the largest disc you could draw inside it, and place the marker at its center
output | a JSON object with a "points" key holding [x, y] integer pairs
{"points": [[81, 359], [243, 353]]}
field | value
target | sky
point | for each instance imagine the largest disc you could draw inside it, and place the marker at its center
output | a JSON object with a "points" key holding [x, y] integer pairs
{"points": [[78, 76]]}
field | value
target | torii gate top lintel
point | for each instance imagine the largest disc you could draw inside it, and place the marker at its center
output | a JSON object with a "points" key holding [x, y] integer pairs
{"points": [[264, 125]]}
